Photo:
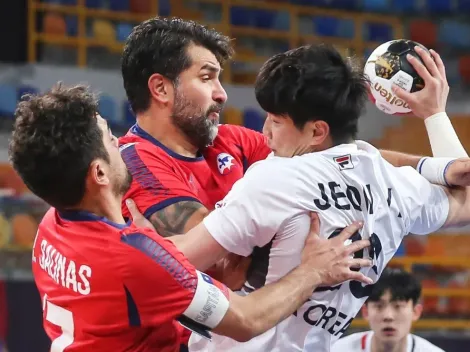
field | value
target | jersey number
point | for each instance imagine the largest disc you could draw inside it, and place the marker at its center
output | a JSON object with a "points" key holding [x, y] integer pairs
{"points": [[375, 249], [64, 319]]}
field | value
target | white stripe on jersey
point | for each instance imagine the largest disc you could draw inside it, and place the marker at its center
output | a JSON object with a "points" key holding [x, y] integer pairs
{"points": [[267, 213], [362, 342]]}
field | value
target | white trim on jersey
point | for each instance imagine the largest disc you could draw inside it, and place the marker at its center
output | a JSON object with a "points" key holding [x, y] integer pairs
{"points": [[209, 304], [362, 342]]}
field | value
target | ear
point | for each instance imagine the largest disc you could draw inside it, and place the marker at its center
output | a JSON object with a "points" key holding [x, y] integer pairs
{"points": [[98, 173], [319, 131], [417, 311], [365, 312], [161, 88]]}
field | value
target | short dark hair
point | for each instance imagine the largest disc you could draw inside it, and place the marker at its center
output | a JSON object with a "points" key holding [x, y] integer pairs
{"points": [[159, 45], [314, 82], [402, 286], [55, 138]]}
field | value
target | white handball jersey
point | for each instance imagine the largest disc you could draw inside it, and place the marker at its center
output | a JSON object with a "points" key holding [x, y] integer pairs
{"points": [[266, 214], [362, 342]]}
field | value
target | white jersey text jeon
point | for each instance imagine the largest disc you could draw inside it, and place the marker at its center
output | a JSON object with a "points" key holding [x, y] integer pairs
{"points": [[266, 214]]}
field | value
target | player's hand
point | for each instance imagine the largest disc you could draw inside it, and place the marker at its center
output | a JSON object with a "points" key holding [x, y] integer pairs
{"points": [[231, 270], [331, 259], [432, 98], [137, 217], [458, 173]]}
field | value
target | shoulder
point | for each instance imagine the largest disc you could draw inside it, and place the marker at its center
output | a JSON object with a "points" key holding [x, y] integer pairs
{"points": [[350, 343], [226, 130], [424, 345]]}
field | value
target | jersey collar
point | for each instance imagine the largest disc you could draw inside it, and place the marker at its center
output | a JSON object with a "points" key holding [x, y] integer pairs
{"points": [[81, 215], [138, 131]]}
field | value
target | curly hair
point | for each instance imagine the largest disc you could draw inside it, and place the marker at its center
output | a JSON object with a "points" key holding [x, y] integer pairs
{"points": [[54, 140]]}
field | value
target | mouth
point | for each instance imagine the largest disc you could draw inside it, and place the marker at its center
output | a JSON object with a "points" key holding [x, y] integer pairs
{"points": [[214, 115], [388, 331]]}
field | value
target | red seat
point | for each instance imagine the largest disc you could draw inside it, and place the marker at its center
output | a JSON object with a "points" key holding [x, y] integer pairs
{"points": [[464, 68], [424, 32]]}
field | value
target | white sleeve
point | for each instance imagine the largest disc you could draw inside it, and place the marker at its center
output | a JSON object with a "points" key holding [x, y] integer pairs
{"points": [[428, 204], [255, 209]]}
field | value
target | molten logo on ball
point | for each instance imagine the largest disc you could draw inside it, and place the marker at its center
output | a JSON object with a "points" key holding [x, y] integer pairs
{"points": [[390, 98]]}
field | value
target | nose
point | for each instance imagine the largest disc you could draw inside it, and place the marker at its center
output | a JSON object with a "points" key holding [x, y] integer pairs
{"points": [[219, 94], [388, 314]]}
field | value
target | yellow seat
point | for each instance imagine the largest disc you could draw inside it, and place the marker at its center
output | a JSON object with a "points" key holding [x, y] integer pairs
{"points": [[24, 228], [233, 116], [104, 30]]}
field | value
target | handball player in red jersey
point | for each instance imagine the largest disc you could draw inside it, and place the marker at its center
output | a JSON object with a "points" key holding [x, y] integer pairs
{"points": [[110, 285]]}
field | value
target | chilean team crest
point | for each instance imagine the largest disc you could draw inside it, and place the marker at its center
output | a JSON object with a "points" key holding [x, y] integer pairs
{"points": [[225, 163]]}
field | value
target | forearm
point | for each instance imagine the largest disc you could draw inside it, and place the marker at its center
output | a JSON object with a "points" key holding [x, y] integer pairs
{"points": [[443, 138], [270, 305], [398, 159]]}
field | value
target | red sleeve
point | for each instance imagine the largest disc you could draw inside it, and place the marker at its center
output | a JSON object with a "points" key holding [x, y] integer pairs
{"points": [[252, 143], [158, 279], [155, 184]]}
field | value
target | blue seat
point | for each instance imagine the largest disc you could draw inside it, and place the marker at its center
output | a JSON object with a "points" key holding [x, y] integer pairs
{"points": [[119, 5], [68, 2], [94, 4], [252, 119], [282, 21], [463, 5], [129, 118], [22, 90], [325, 26], [71, 24], [346, 28], [263, 18], [403, 6], [376, 5], [241, 16], [8, 99], [164, 7], [123, 30], [401, 250], [438, 6], [447, 33], [107, 108], [310, 2], [453, 72], [344, 4], [378, 32]]}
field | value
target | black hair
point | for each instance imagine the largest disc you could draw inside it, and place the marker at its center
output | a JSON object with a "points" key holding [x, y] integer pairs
{"points": [[314, 82], [159, 45], [54, 140], [402, 286]]}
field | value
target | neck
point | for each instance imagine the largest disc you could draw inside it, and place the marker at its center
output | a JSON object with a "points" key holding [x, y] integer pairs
{"points": [[103, 204], [165, 131], [380, 346]]}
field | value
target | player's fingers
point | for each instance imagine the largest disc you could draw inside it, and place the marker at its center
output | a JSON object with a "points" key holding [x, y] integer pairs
{"points": [[402, 94], [349, 231], [439, 63], [356, 246], [428, 62], [314, 224], [420, 69], [132, 207], [360, 263], [358, 276]]}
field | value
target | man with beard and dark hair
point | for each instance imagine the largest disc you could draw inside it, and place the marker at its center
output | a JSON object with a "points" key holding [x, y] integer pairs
{"points": [[183, 162], [108, 285]]}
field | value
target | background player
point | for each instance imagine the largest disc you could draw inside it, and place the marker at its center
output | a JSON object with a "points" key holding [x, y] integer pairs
{"points": [[391, 309], [107, 285]]}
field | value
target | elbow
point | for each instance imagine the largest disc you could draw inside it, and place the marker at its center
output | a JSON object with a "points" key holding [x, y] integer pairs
{"points": [[247, 329]]}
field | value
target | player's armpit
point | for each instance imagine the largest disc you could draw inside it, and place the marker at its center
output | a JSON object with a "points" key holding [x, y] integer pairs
{"points": [[178, 218]]}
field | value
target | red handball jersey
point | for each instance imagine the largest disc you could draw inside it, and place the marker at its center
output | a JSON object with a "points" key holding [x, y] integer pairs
{"points": [[163, 177], [110, 287]]}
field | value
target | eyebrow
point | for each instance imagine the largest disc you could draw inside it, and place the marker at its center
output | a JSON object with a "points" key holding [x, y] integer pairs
{"points": [[211, 68]]}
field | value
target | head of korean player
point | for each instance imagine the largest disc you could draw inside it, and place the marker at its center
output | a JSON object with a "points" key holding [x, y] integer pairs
{"points": [[313, 98], [64, 150]]}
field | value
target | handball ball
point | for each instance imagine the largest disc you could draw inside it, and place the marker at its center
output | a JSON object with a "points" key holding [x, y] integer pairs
{"points": [[388, 65]]}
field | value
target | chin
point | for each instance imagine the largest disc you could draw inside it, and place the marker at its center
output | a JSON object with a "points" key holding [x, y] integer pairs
{"points": [[213, 133]]}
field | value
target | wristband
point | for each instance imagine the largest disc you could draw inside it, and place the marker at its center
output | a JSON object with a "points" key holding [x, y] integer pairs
{"points": [[444, 141], [434, 169]]}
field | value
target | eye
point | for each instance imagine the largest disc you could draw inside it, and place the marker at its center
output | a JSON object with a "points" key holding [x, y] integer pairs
{"points": [[206, 78]]}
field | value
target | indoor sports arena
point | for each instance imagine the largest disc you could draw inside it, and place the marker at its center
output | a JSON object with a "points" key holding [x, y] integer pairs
{"points": [[82, 42]]}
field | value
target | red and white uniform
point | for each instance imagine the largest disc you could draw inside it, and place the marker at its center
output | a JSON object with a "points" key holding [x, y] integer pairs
{"points": [[111, 287], [163, 177], [362, 342]]}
